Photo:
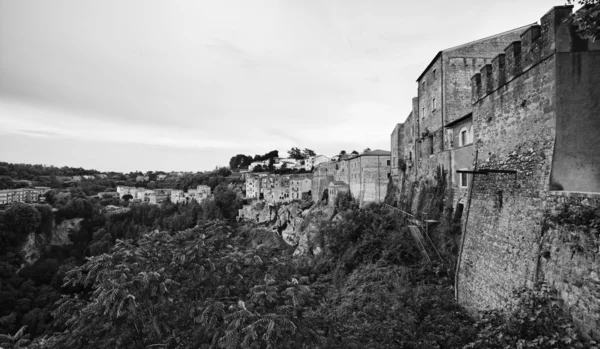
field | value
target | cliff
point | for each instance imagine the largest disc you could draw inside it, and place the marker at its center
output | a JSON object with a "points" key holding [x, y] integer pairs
{"points": [[296, 223], [36, 244]]}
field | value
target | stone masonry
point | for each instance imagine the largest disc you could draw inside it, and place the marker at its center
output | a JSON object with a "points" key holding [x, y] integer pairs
{"points": [[535, 111]]}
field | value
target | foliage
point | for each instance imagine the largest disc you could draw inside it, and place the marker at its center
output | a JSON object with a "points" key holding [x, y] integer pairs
{"points": [[19, 220], [296, 153], [367, 236], [190, 289], [344, 201], [240, 161], [18, 340], [580, 226], [270, 155], [587, 19], [535, 320]]}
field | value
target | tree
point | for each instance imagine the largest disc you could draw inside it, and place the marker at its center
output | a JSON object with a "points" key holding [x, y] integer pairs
{"points": [[19, 220], [342, 152], [308, 153], [354, 152], [367, 150], [295, 153], [190, 289], [240, 161], [18, 340], [269, 155], [587, 19], [127, 197]]}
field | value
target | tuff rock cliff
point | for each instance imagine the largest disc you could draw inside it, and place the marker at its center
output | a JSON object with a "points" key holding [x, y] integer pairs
{"points": [[297, 222], [36, 244]]}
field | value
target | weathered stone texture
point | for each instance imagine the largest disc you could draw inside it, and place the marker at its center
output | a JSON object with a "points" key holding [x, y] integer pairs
{"points": [[569, 259], [505, 214], [542, 120]]}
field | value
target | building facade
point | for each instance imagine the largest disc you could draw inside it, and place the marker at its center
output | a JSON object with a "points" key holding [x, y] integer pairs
{"points": [[535, 112]]}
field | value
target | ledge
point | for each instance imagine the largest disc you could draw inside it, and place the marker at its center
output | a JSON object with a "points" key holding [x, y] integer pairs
{"points": [[577, 194]]}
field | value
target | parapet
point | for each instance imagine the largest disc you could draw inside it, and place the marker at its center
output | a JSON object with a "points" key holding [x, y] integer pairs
{"points": [[538, 42]]}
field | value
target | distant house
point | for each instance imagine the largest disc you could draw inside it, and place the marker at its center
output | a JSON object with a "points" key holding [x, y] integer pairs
{"points": [[161, 177], [77, 178], [313, 161], [140, 178], [108, 194], [88, 177], [31, 195]]}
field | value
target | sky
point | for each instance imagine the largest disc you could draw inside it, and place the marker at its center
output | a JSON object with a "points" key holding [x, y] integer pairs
{"points": [[184, 85]]}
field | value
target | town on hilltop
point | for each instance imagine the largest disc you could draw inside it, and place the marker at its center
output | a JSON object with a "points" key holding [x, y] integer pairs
{"points": [[488, 198]]}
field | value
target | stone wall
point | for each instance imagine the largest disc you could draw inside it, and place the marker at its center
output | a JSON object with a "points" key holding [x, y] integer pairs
{"points": [[569, 255], [519, 231], [578, 123]]}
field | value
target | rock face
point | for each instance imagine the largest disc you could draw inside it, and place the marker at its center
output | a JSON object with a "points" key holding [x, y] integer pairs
{"points": [[36, 244], [297, 227]]}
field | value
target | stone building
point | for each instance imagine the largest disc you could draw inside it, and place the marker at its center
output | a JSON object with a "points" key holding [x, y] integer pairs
{"points": [[323, 174], [28, 195], [397, 153], [438, 133], [313, 161], [335, 188], [535, 111], [300, 186], [368, 175], [253, 187]]}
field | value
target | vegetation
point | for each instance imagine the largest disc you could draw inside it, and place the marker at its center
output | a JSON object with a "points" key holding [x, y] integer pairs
{"points": [[296, 153], [587, 19], [187, 276]]}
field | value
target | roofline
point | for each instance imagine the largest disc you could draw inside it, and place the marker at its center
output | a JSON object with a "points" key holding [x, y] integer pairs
{"points": [[429, 65], [450, 124], [469, 43], [368, 154]]}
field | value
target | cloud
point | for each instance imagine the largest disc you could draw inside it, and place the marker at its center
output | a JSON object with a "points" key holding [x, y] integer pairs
{"points": [[42, 121]]}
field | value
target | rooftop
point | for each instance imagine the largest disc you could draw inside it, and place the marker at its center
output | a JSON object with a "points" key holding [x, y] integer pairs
{"points": [[467, 44]]}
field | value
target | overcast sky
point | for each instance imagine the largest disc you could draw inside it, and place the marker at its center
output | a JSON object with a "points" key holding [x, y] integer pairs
{"points": [[185, 85]]}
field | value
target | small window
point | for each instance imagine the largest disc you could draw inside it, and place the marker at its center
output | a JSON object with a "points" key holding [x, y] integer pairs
{"points": [[410, 156], [430, 145], [423, 113], [394, 160], [434, 74], [388, 162], [463, 137], [389, 175], [433, 105], [464, 179]]}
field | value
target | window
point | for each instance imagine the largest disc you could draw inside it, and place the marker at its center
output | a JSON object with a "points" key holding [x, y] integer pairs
{"points": [[388, 161], [394, 160], [389, 175], [433, 106], [430, 145], [423, 113], [463, 137], [434, 71], [423, 85], [464, 178], [410, 156]]}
